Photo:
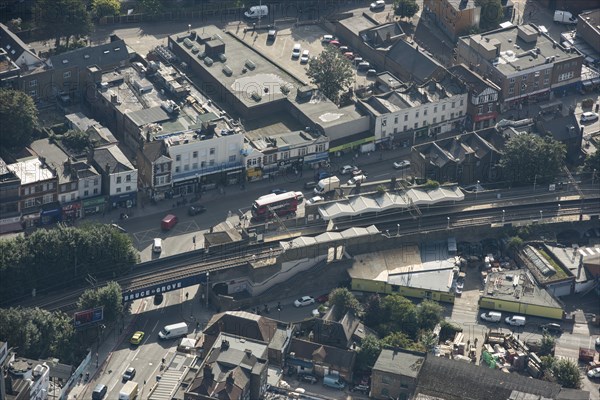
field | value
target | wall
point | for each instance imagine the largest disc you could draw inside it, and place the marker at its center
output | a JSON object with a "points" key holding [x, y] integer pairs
{"points": [[125, 186], [520, 308]]}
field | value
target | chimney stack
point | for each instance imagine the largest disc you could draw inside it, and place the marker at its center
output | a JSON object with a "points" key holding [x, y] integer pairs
{"points": [[224, 345]]}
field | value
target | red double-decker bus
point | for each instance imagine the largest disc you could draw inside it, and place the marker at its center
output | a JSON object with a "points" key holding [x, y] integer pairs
{"points": [[280, 204]]}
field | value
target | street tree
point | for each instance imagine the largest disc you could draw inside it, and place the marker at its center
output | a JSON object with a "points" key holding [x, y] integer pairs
{"points": [[343, 301], [406, 8], [528, 158], [491, 14], [152, 7], [430, 314], [592, 162], [400, 315], [63, 19], [103, 8], [547, 345], [19, 118], [567, 373], [108, 296], [331, 72], [369, 351]]}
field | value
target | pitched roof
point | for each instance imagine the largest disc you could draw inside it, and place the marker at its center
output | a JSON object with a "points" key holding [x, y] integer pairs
{"points": [[13, 45], [154, 150], [474, 81], [240, 323], [54, 157], [103, 55], [112, 157], [413, 61], [336, 333], [455, 380], [329, 355]]}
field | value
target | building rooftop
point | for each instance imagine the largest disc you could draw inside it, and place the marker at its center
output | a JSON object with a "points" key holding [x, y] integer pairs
{"points": [[461, 5], [358, 22], [400, 361], [15, 47], [103, 54], [591, 17], [112, 157], [571, 258], [520, 48], [518, 286], [472, 80], [55, 158], [382, 36], [414, 61], [31, 170]]}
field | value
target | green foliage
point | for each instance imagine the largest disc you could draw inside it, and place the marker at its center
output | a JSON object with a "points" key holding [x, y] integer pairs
{"points": [[448, 330], [397, 339], [108, 296], [514, 243], [344, 301], [331, 72], [370, 349], [547, 362], [491, 14], [152, 7], [103, 8], [430, 314], [38, 333], [19, 118], [373, 311], [63, 18], [405, 8], [567, 373], [431, 184], [592, 162], [547, 345], [428, 340], [528, 158], [62, 258], [380, 190], [399, 315], [76, 140]]}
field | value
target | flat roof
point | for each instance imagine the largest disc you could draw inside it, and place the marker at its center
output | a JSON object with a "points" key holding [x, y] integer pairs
{"points": [[400, 361], [517, 286], [570, 257], [31, 170], [357, 23]]}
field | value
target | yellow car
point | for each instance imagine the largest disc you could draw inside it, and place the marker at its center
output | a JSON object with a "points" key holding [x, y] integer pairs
{"points": [[137, 338]]}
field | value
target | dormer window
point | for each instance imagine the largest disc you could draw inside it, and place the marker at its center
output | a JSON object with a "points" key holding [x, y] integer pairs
{"points": [[8, 47], [106, 51], [65, 61], [86, 56], [117, 49]]}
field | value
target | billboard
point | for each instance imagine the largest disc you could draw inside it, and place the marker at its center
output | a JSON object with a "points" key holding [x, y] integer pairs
{"points": [[87, 317]]}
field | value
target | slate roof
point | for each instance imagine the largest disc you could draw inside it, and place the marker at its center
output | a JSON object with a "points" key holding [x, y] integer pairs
{"points": [[154, 150], [414, 61], [454, 380], [11, 42], [400, 361], [102, 55], [328, 355], [55, 158], [112, 156], [336, 333], [474, 81], [240, 323]]}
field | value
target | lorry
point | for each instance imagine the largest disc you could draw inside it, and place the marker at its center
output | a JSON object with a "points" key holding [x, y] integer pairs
{"points": [[173, 331], [129, 391], [564, 17], [327, 185]]}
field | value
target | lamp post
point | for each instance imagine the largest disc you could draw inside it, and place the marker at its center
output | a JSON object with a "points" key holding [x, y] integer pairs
{"points": [[558, 212], [541, 215], [534, 182], [503, 215], [207, 275], [448, 227], [398, 231], [476, 190]]}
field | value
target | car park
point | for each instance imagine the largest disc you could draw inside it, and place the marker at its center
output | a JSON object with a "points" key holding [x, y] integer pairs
{"points": [[296, 50], [589, 116], [137, 338], [491, 316], [304, 301], [551, 327], [195, 210], [304, 58], [129, 374], [378, 5], [401, 164]]}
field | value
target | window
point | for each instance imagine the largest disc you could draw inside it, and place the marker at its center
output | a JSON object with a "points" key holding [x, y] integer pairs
{"points": [[460, 113], [425, 112], [511, 90], [302, 151], [416, 125], [33, 93], [48, 198], [285, 155], [434, 109], [186, 167], [86, 183], [443, 107], [29, 203], [443, 118], [480, 110], [195, 154], [176, 169], [212, 151], [523, 87], [63, 198], [178, 157], [405, 117], [195, 166], [385, 380], [86, 193], [566, 76], [424, 123], [118, 179], [66, 75], [95, 181], [202, 164], [512, 80], [118, 190], [72, 196], [395, 120], [536, 85], [33, 83], [451, 115], [128, 188], [417, 114], [232, 158], [547, 72], [95, 190], [490, 107], [453, 104], [405, 128], [25, 191], [546, 81], [128, 178], [524, 77], [462, 102], [434, 120], [211, 162]]}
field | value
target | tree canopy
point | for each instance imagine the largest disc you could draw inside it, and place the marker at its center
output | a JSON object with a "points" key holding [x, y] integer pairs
{"points": [[491, 14], [62, 258], [592, 162], [430, 314], [406, 8], [368, 353], [331, 72], [108, 296], [567, 373], [63, 18], [76, 140], [103, 8], [19, 118], [529, 158], [400, 316], [344, 301]]}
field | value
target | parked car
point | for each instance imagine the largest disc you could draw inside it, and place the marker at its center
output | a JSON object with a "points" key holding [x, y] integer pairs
{"points": [[314, 200], [137, 338], [551, 327], [344, 49], [195, 210], [371, 72], [129, 374], [327, 38], [492, 316], [304, 301], [347, 169], [304, 58], [597, 342], [363, 389], [401, 164], [594, 373], [589, 116], [271, 35], [357, 60], [99, 392], [296, 50], [308, 378], [363, 66], [324, 298], [349, 55], [377, 5], [335, 43]]}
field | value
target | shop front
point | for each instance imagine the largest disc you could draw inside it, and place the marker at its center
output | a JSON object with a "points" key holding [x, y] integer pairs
{"points": [[348, 144], [316, 160], [31, 220], [124, 200], [484, 120], [13, 224], [71, 211], [94, 205], [51, 213]]}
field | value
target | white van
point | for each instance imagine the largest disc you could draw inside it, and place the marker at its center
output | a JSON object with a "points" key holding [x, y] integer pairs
{"points": [[157, 245], [173, 331], [515, 320], [491, 316], [256, 12]]}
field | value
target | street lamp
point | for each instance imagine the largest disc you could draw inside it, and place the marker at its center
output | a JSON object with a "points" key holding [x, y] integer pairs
{"points": [[448, 227], [398, 232], [189, 27], [541, 216], [207, 274], [503, 214], [476, 190]]}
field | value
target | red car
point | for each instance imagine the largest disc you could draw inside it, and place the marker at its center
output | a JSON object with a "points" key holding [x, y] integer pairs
{"points": [[335, 43], [324, 298], [349, 55]]}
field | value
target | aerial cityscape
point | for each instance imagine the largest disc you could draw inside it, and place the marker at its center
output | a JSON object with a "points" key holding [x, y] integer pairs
{"points": [[304, 199]]}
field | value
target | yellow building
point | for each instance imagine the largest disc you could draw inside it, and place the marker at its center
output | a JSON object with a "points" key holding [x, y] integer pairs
{"points": [[425, 273], [516, 292]]}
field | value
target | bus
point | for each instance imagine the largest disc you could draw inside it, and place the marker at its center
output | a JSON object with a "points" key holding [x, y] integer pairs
{"points": [[282, 204]]}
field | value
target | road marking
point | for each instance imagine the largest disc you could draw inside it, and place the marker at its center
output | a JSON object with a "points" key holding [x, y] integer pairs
{"points": [[380, 175], [155, 325]]}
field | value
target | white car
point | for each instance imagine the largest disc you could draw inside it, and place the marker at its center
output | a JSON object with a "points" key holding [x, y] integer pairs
{"points": [[594, 373], [346, 169], [356, 179], [296, 50], [402, 164], [304, 57], [378, 5], [304, 301], [314, 200], [589, 116], [327, 38]]}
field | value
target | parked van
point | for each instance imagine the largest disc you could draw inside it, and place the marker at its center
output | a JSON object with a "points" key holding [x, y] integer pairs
{"points": [[256, 12], [173, 331], [168, 222], [157, 245], [515, 320], [99, 392], [334, 381], [492, 316]]}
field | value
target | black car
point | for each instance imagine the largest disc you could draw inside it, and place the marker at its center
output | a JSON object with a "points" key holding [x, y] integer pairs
{"points": [[310, 185], [195, 210], [551, 328], [308, 378]]}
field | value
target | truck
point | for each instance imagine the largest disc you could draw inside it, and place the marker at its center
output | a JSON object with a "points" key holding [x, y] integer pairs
{"points": [[327, 185], [564, 17], [129, 391]]}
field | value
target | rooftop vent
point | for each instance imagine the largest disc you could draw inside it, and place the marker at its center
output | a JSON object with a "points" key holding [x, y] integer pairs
{"points": [[222, 57], [250, 64], [208, 61], [227, 71]]}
